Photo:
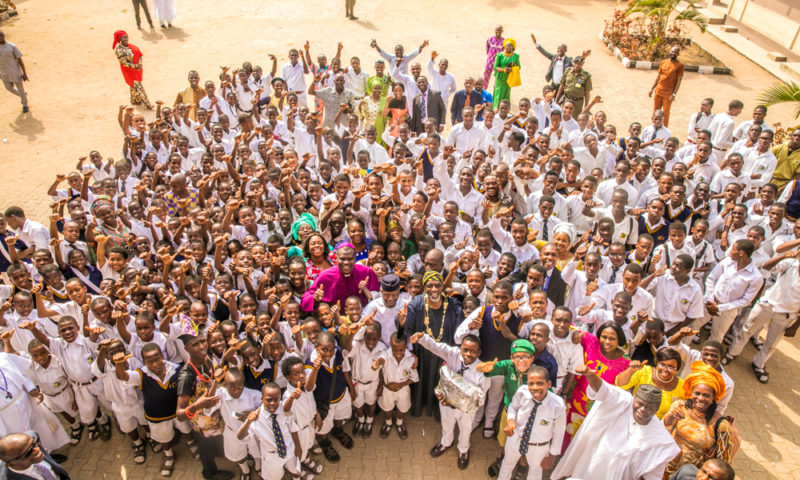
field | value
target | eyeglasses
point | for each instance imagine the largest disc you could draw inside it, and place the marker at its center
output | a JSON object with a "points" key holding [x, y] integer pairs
{"points": [[668, 367], [29, 451]]}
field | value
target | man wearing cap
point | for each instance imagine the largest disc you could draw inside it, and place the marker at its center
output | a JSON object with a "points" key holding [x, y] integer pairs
{"points": [[195, 379], [387, 306], [497, 326], [576, 86], [335, 284], [514, 373], [437, 315], [620, 439]]}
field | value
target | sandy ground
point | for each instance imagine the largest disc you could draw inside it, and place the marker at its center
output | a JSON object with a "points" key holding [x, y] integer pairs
{"points": [[76, 87]]}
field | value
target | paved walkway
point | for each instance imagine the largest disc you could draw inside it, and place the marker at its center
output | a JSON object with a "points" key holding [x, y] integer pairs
{"points": [[76, 86]]}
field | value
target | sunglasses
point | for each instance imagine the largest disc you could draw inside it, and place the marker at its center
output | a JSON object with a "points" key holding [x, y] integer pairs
{"points": [[29, 451]]}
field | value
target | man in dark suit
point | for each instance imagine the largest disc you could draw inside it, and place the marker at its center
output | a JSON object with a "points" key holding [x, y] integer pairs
{"points": [[428, 104], [25, 459], [559, 62], [554, 285], [460, 100]]}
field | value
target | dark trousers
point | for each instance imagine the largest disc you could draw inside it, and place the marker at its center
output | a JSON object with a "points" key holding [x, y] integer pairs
{"points": [[142, 4], [210, 448]]}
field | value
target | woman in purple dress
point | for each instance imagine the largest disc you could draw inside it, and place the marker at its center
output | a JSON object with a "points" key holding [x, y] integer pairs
{"points": [[494, 45]]}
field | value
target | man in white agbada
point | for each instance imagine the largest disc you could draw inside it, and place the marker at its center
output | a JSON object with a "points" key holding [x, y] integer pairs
{"points": [[19, 405], [621, 438], [165, 12]]}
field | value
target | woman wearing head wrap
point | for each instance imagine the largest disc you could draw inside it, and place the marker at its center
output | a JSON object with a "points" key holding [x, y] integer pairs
{"points": [[694, 423], [108, 223], [437, 315], [563, 237], [303, 227], [370, 110], [130, 61], [503, 65]]}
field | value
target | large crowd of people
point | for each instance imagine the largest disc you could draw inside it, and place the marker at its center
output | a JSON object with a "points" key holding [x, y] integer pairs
{"points": [[284, 259]]}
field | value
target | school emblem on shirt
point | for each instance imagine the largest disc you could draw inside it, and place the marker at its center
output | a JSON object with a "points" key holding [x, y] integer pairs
{"points": [[406, 373], [545, 423], [685, 301], [622, 235]]}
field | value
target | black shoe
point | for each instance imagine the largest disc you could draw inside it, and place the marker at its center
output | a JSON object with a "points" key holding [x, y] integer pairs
{"points": [[94, 433], [357, 427], [366, 430], [59, 458], [162, 26], [25, 109], [463, 461], [438, 450], [494, 468], [385, 429], [401, 431]]}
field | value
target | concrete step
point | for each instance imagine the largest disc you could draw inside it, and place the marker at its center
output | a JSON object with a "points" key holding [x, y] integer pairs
{"points": [[714, 15], [759, 55], [777, 56]]}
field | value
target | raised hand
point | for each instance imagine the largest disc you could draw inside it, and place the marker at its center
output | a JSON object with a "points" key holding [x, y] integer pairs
{"points": [[486, 367], [585, 309]]}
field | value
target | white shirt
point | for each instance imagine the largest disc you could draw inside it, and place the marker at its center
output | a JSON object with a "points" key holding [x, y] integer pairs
{"points": [[444, 84], [455, 362], [464, 139], [568, 356], [698, 121], [759, 163], [732, 288], [75, 357], [784, 295], [357, 82], [386, 316], [641, 300], [34, 234], [741, 130], [675, 303], [377, 154], [606, 189], [721, 128], [294, 77], [548, 424], [506, 241], [362, 358], [397, 372], [650, 133]]}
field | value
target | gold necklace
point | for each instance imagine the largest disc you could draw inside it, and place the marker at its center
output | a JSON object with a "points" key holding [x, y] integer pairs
{"points": [[427, 321]]}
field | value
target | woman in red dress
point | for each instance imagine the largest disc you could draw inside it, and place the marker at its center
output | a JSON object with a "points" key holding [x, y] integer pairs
{"points": [[130, 61]]}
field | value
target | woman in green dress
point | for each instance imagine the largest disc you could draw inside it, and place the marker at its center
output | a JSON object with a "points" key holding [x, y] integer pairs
{"points": [[502, 67], [370, 110]]}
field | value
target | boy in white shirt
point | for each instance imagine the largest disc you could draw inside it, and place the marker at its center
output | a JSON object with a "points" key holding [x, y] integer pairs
{"points": [[535, 428], [236, 403], [397, 373], [276, 435], [299, 403], [364, 355], [463, 361]]}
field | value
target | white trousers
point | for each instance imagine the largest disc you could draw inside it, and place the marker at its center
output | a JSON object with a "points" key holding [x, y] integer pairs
{"points": [[452, 417], [534, 456], [494, 400], [762, 316], [720, 324]]}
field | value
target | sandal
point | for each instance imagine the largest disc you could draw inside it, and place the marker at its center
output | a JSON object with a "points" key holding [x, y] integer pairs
{"points": [[306, 476], [194, 449], [756, 341], [327, 449], [345, 439], [494, 468], [316, 450], [728, 358], [105, 431], [488, 432], [312, 466], [139, 454], [94, 432], [155, 446], [168, 466], [76, 434], [761, 374]]}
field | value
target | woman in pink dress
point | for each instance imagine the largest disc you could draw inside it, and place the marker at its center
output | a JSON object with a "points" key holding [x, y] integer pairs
{"points": [[604, 353], [494, 45]]}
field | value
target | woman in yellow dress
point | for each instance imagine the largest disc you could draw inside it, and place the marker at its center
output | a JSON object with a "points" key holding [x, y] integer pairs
{"points": [[664, 377], [370, 110]]}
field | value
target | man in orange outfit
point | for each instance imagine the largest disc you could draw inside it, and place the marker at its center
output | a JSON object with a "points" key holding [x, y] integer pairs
{"points": [[670, 74]]}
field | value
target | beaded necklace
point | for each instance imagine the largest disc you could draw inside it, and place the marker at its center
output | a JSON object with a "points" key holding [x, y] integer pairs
{"points": [[427, 321]]}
